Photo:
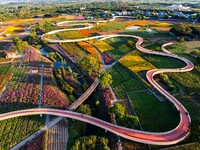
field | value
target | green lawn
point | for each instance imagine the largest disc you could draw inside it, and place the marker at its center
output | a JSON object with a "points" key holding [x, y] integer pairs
{"points": [[163, 62], [120, 46], [124, 81], [154, 115]]}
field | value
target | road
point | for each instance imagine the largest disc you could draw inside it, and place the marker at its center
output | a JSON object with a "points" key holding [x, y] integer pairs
{"points": [[162, 138]]}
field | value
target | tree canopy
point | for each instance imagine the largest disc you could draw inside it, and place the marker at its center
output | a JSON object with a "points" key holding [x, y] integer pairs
{"points": [[91, 142], [89, 64], [105, 79], [84, 109]]}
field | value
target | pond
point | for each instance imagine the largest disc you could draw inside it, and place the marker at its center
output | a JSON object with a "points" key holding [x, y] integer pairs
{"points": [[133, 28], [45, 53]]}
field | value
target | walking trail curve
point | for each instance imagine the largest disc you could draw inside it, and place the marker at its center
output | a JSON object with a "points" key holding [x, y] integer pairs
{"points": [[158, 138]]}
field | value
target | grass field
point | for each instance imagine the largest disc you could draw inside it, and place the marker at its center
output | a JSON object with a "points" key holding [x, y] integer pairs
{"points": [[153, 114], [110, 26], [124, 81]]}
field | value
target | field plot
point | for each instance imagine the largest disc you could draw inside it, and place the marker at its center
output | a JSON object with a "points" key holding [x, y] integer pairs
{"points": [[14, 130], [70, 35], [57, 136], [124, 81], [153, 114], [136, 64], [120, 45], [74, 50], [103, 46], [88, 33], [110, 26], [163, 62]]}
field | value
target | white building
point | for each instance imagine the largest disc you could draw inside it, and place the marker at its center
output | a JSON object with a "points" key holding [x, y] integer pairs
{"points": [[179, 7]]}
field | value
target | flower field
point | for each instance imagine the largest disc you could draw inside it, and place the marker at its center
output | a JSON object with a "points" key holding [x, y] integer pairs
{"points": [[87, 33], [107, 59], [103, 46], [124, 81], [136, 63]]}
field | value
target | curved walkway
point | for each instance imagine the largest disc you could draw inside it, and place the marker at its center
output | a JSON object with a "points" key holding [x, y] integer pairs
{"points": [[161, 138]]}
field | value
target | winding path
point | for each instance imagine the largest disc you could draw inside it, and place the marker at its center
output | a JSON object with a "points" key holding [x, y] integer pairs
{"points": [[159, 138]]}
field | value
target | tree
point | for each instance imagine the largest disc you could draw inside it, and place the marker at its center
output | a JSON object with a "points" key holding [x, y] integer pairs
{"points": [[84, 109], [128, 121], [105, 79], [180, 39], [89, 64], [117, 109], [20, 45]]}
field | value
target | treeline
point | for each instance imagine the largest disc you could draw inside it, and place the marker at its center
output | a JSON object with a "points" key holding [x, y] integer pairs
{"points": [[186, 30], [91, 142]]}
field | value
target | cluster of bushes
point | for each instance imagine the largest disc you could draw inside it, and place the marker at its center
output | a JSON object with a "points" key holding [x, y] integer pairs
{"points": [[91, 142], [20, 45], [64, 85], [123, 119], [165, 79], [185, 30]]}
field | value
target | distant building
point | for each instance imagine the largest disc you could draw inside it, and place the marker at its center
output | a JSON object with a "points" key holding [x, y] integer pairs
{"points": [[82, 8], [179, 7]]}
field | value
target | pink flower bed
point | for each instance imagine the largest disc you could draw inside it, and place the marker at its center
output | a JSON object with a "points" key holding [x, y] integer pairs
{"points": [[108, 60], [108, 97], [31, 54]]}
